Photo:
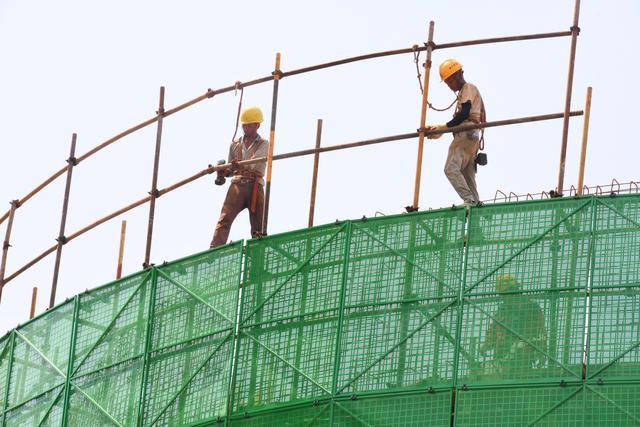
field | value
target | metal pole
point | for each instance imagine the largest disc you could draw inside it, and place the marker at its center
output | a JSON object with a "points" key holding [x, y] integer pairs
{"points": [[423, 120], [283, 156], [6, 245], [585, 134], [154, 182], [567, 105], [71, 162], [123, 232], [314, 180], [274, 106], [34, 297]]}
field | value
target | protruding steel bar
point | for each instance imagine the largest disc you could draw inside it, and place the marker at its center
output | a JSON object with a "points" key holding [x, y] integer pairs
{"points": [[272, 135], [423, 118], [211, 93], [6, 244], [300, 153], [123, 232], [71, 162], [154, 181], [585, 135], [567, 104], [314, 179], [34, 298]]}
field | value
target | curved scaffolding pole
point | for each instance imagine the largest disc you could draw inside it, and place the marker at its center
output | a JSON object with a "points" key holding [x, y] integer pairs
{"points": [[312, 151], [211, 93]]}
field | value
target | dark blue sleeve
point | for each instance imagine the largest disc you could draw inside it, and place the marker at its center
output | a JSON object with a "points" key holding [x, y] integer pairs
{"points": [[461, 115]]}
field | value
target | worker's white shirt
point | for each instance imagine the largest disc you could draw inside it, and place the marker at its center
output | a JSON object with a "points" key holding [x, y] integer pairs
{"points": [[249, 153], [469, 92]]}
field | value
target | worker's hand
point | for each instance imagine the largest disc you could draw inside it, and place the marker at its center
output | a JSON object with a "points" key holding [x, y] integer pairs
{"points": [[436, 127], [234, 164]]}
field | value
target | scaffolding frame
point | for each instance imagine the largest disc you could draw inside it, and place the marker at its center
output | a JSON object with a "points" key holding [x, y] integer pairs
{"points": [[275, 77]]}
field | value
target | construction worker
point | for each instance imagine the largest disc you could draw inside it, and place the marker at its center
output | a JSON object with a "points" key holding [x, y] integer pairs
{"points": [[460, 167], [516, 334], [246, 189]]}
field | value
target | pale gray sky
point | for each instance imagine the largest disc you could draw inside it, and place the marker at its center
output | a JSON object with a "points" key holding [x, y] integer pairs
{"points": [[95, 68]]}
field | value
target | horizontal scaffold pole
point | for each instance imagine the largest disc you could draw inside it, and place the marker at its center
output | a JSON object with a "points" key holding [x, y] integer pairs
{"points": [[211, 93], [211, 169]]}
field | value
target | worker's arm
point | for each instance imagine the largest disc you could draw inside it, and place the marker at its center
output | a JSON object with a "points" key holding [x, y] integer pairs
{"points": [[461, 115]]}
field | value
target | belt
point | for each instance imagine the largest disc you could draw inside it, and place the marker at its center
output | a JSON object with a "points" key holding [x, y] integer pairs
{"points": [[246, 178]]}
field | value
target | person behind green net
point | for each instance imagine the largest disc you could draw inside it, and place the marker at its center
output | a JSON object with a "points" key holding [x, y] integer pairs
{"points": [[516, 334]]}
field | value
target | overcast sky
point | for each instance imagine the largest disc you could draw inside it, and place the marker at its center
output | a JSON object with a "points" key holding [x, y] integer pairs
{"points": [[95, 68]]}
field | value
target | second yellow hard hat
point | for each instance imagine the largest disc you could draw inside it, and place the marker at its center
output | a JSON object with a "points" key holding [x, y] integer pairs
{"points": [[251, 115]]}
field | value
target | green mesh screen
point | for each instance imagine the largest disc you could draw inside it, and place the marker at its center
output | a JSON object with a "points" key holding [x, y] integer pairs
{"points": [[510, 314], [154, 348]]}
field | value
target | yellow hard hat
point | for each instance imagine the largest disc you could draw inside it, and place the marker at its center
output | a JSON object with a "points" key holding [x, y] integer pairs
{"points": [[251, 115], [505, 282], [448, 68]]}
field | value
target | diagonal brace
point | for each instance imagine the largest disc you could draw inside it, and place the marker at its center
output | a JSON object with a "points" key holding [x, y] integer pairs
{"points": [[296, 271], [195, 296], [396, 345], [528, 245], [286, 362]]}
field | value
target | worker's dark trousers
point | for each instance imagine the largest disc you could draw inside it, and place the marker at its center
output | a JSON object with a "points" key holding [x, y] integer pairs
{"points": [[460, 165], [239, 198]]}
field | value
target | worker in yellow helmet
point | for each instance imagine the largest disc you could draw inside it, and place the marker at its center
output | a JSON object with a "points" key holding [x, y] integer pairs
{"points": [[246, 190], [516, 335], [460, 167]]}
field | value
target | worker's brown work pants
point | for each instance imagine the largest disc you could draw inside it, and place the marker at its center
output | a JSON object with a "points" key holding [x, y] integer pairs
{"points": [[239, 198], [460, 166]]}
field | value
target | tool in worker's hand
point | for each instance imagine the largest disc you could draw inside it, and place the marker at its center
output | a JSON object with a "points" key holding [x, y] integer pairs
{"points": [[220, 178]]}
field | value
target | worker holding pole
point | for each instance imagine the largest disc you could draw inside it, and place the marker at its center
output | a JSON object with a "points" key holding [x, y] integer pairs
{"points": [[247, 185], [460, 167]]}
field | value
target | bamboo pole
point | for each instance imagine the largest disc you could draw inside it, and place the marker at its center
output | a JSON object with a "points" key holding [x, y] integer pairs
{"points": [[154, 181], [6, 245], [385, 53], [71, 162], [34, 297], [314, 179], [585, 134], [567, 104], [423, 120], [272, 141], [211, 93], [300, 153], [123, 232]]}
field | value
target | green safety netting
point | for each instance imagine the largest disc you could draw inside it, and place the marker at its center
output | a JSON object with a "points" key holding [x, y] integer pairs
{"points": [[511, 314]]}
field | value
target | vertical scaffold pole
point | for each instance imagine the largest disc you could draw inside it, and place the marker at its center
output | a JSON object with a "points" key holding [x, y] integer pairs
{"points": [[154, 181], [123, 233], [314, 180], [585, 134], [34, 298], [423, 119], [575, 30], [65, 205], [272, 140], [6, 245]]}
